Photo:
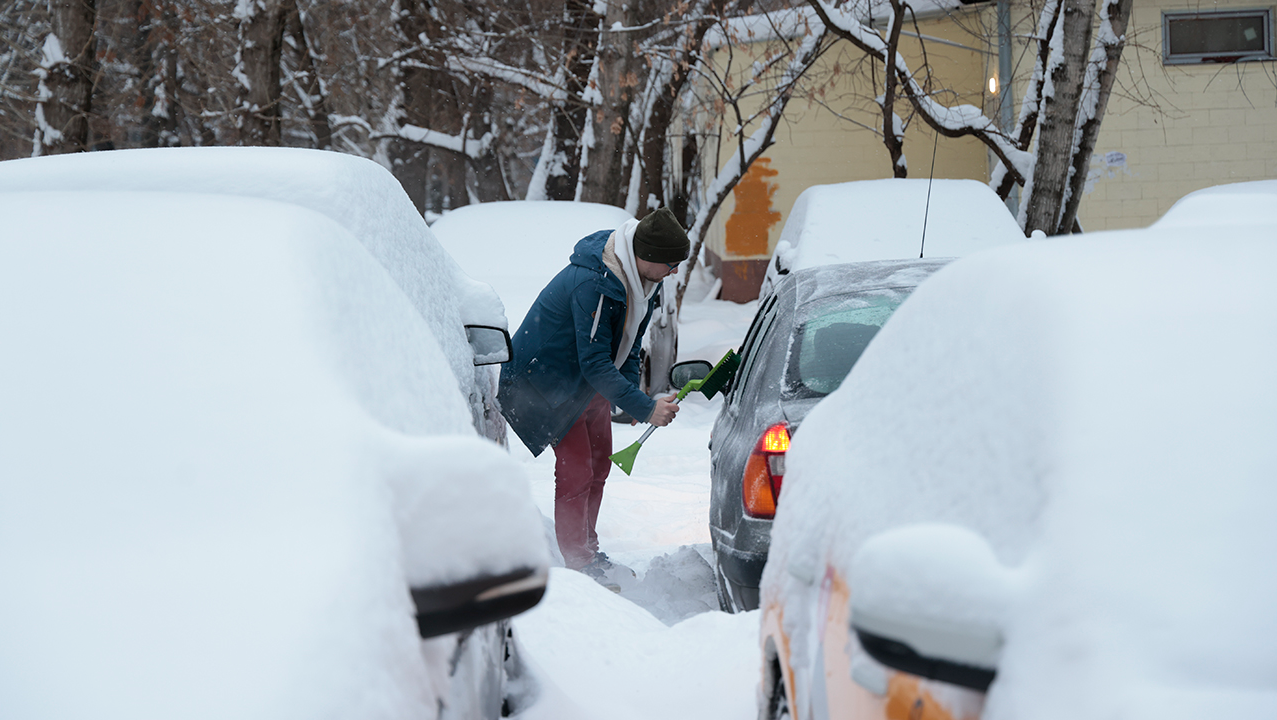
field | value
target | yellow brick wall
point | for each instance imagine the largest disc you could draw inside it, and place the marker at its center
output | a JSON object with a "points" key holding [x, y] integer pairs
{"points": [[1214, 124]]}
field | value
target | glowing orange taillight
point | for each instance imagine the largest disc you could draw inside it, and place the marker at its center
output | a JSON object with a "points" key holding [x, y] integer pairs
{"points": [[765, 471], [775, 440]]}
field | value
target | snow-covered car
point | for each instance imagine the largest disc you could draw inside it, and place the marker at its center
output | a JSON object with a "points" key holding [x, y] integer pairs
{"points": [[1243, 203], [465, 315], [1045, 491], [518, 246], [887, 220], [806, 336], [240, 475], [837, 274]]}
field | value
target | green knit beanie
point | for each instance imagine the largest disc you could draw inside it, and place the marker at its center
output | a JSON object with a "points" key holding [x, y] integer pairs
{"points": [[659, 238]]}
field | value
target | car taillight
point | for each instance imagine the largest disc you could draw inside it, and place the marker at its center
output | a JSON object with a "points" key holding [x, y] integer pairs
{"points": [[764, 472]]}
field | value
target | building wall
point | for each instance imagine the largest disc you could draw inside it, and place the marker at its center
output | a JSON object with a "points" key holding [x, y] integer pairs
{"points": [[1213, 124], [814, 146], [1168, 130]]}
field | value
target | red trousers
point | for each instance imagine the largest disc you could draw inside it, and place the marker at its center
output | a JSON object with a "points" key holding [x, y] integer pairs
{"points": [[581, 466]]}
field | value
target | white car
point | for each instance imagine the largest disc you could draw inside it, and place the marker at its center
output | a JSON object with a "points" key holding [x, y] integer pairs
{"points": [[240, 474], [896, 219], [534, 241], [466, 316], [1044, 491]]}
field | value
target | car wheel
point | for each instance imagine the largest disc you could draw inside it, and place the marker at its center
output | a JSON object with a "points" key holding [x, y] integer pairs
{"points": [[778, 704]]}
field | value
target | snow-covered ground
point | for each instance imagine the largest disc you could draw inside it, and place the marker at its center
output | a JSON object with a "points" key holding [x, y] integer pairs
{"points": [[660, 649]]}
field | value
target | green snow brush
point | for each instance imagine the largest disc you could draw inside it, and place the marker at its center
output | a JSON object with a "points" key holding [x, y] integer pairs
{"points": [[709, 386]]}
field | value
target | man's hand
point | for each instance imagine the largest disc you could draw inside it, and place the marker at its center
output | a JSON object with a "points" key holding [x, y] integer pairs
{"points": [[664, 411]]}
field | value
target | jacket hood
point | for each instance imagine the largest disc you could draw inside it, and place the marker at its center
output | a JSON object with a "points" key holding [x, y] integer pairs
{"points": [[588, 254]]}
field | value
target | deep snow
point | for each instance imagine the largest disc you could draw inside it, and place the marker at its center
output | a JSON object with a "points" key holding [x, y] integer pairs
{"points": [[661, 649]]}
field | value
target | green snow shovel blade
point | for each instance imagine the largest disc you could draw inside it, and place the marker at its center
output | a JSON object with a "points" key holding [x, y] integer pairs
{"points": [[710, 385], [624, 459]]}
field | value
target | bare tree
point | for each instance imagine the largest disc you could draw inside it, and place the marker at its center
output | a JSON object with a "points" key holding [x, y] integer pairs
{"points": [[794, 62], [1063, 104]]}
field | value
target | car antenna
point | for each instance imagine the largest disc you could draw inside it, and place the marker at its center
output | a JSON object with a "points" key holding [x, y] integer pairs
{"points": [[927, 210]]}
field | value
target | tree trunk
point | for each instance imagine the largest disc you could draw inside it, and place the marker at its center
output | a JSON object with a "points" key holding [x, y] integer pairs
{"points": [[656, 135], [892, 129], [156, 58], [490, 183], [261, 32], [1031, 105], [1114, 16], [67, 77], [617, 77], [581, 36], [310, 87], [1061, 97]]}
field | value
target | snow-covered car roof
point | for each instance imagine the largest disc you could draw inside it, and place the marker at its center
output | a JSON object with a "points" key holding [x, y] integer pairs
{"points": [[231, 443], [357, 194], [883, 220], [1244, 203], [1102, 411], [517, 246]]}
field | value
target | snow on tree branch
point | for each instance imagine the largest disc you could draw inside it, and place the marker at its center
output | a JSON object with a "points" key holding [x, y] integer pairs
{"points": [[849, 22]]}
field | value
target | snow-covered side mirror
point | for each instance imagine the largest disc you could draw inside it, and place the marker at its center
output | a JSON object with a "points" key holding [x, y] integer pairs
{"points": [[483, 315], [929, 600], [483, 559], [491, 345]]}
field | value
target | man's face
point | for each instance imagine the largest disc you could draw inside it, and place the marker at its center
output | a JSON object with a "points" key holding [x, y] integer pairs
{"points": [[655, 271]]}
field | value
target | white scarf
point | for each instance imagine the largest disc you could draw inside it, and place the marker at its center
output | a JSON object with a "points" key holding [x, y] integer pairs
{"points": [[637, 289]]}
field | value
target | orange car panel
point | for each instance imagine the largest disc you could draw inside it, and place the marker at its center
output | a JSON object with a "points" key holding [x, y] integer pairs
{"points": [[906, 697]]}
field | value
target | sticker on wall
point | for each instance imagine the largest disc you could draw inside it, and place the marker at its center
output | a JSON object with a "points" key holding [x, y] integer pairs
{"points": [[1107, 165]]}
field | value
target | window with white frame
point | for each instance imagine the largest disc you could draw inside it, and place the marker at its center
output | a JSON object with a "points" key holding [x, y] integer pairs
{"points": [[1217, 36]]}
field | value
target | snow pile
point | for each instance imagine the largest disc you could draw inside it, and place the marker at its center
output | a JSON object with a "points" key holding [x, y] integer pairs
{"points": [[597, 655], [1100, 411], [676, 586], [357, 194], [204, 435], [517, 246]]}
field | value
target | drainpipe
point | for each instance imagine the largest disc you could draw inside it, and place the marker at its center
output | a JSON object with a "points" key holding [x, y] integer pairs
{"points": [[1006, 97]]}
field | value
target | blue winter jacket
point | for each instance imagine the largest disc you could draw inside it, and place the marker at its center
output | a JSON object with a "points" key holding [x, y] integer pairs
{"points": [[561, 359]]}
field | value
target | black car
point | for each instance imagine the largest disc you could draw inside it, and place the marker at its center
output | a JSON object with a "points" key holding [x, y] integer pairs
{"points": [[808, 333]]}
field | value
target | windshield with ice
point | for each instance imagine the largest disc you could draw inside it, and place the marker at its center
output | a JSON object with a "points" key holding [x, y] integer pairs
{"points": [[830, 336]]}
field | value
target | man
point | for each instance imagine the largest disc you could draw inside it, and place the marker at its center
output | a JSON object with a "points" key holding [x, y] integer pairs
{"points": [[577, 354]]}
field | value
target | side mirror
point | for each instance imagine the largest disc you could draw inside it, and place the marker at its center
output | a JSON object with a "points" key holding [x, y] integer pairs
{"points": [[461, 606], [684, 372], [929, 600], [491, 345]]}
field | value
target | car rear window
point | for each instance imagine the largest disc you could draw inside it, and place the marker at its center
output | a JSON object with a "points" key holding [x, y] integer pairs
{"points": [[830, 336]]}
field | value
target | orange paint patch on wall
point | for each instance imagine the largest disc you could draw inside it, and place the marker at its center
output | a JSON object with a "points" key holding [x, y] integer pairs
{"points": [[751, 222]]}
